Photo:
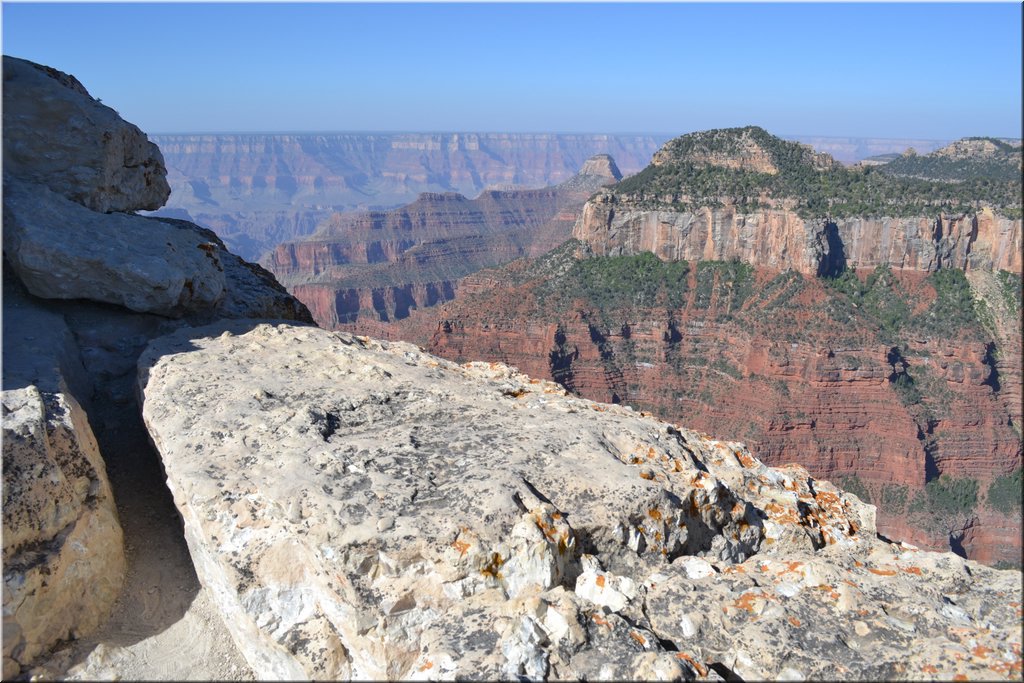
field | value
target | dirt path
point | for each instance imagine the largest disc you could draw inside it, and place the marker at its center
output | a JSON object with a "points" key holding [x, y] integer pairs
{"points": [[164, 626]]}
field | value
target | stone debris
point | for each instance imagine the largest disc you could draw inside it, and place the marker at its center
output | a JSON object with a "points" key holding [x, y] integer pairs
{"points": [[361, 509]]}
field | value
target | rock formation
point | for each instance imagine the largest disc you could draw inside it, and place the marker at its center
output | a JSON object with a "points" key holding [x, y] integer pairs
{"points": [[86, 285], [362, 509], [383, 264], [358, 508], [62, 552], [781, 239], [258, 191], [99, 160], [771, 351]]}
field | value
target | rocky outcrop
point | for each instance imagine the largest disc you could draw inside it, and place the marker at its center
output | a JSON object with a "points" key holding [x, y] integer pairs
{"points": [[83, 292], [62, 544], [171, 271], [258, 191], [383, 264], [57, 135], [781, 239], [365, 510]]}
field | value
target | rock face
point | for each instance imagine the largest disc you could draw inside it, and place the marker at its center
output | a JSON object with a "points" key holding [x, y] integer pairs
{"points": [[365, 510], [258, 191], [781, 239], [383, 264], [83, 292], [171, 272], [55, 134], [62, 551]]}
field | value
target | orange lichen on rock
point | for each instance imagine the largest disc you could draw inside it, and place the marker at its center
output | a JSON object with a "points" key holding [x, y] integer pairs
{"points": [[912, 570], [599, 580], [794, 621], [599, 620], [427, 665], [744, 459], [638, 638], [461, 546], [882, 572], [697, 665]]}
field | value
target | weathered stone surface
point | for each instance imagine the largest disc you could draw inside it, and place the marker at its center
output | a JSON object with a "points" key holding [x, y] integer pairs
{"points": [[62, 543], [62, 250], [57, 135], [363, 509]]}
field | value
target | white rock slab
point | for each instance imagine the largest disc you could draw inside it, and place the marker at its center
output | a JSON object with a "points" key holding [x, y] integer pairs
{"points": [[360, 509]]}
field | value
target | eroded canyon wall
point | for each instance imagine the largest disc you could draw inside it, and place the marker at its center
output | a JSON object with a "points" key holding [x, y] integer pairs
{"points": [[781, 239], [257, 191]]}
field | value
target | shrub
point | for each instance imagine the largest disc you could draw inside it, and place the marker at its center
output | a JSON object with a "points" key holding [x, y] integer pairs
{"points": [[894, 498], [950, 495], [1004, 493], [854, 485]]}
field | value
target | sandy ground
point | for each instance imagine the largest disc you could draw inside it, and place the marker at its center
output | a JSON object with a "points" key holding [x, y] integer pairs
{"points": [[164, 626]]}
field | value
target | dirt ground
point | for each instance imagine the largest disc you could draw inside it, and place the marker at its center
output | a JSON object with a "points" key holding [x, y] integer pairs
{"points": [[164, 626]]}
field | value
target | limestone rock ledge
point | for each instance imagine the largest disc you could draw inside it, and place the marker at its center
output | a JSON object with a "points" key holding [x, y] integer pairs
{"points": [[63, 556], [361, 509]]}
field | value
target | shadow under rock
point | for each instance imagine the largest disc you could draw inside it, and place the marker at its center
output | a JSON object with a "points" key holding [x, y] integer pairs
{"points": [[161, 583]]}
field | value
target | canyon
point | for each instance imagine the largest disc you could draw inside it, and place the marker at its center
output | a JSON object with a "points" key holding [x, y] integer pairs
{"points": [[257, 191], [802, 336], [200, 483], [384, 264]]}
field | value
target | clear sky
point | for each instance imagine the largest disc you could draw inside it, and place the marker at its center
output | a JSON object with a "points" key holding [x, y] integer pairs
{"points": [[934, 71]]}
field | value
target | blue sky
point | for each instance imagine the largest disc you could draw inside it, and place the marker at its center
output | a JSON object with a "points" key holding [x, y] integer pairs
{"points": [[936, 71]]}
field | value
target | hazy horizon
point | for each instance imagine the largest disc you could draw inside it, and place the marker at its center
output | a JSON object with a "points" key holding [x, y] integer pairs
{"points": [[875, 70]]}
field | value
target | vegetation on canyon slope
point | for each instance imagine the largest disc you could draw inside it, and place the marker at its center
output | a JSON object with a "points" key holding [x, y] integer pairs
{"points": [[698, 170], [1002, 164]]}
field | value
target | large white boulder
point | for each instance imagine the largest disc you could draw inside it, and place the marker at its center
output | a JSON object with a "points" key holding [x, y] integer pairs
{"points": [[361, 509]]}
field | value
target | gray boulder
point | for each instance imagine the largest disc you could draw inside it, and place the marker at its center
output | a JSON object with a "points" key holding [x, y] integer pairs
{"points": [[62, 250], [57, 135]]}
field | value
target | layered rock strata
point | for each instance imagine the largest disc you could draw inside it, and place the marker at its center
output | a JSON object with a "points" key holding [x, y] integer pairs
{"points": [[781, 239], [258, 191], [778, 360], [383, 264], [361, 509]]}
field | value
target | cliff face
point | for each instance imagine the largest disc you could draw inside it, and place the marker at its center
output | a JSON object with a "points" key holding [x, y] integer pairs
{"points": [[260, 190], [776, 359], [382, 264], [781, 239]]}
